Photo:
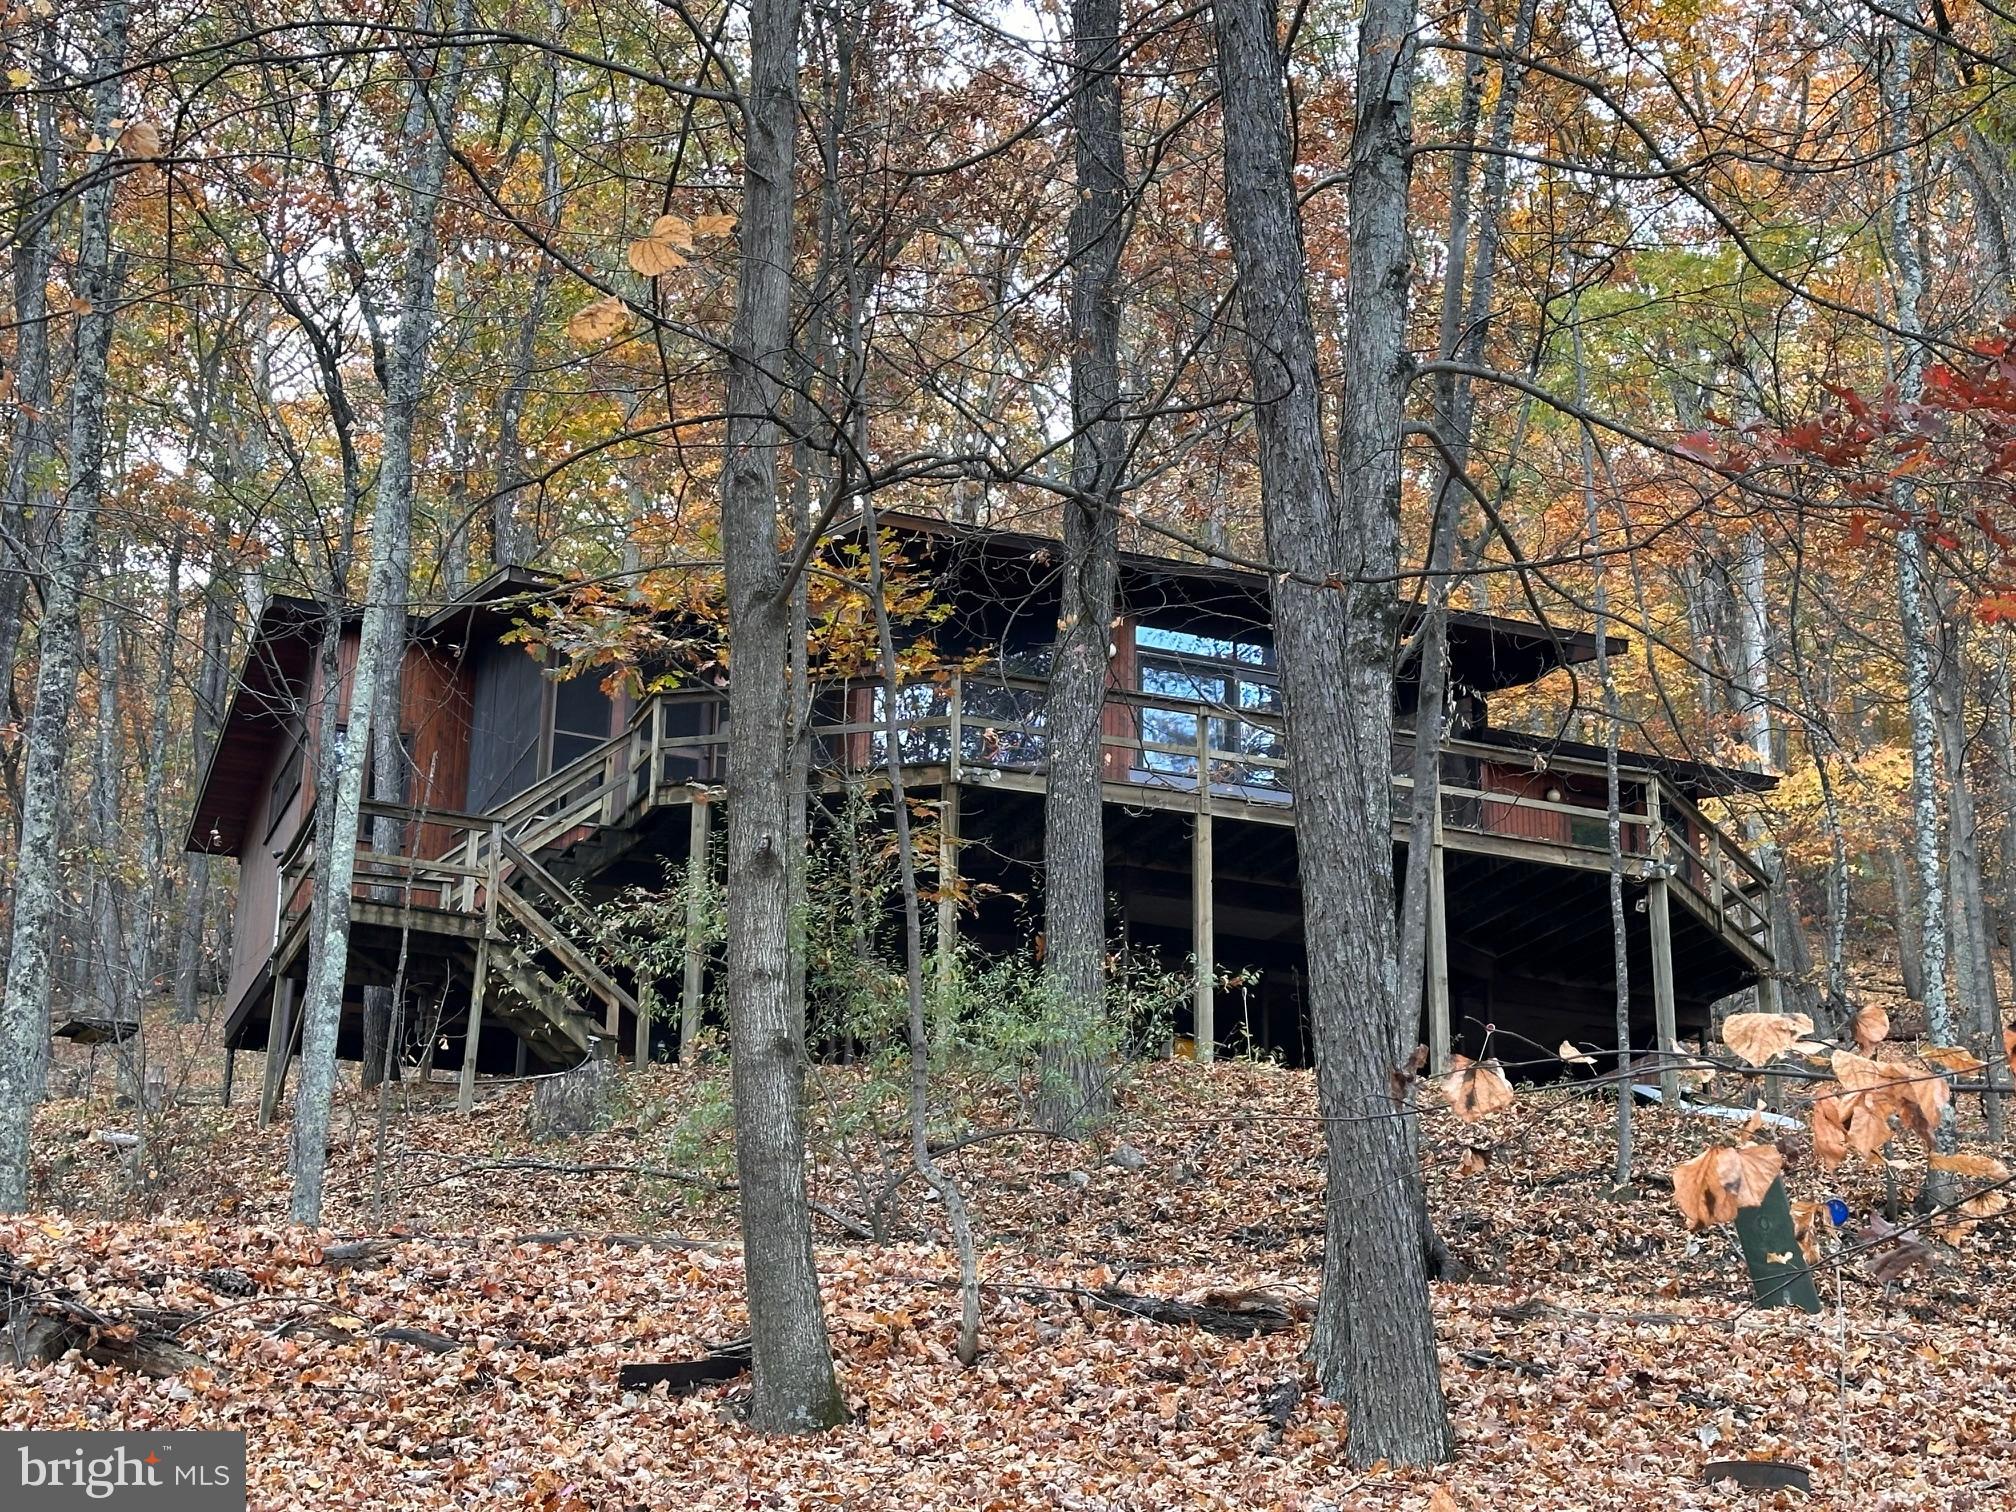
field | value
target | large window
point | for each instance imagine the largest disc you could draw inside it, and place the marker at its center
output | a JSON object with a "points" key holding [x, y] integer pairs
{"points": [[1231, 678]]}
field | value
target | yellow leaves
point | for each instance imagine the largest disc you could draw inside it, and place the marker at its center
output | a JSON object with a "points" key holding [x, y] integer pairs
{"points": [[1761, 1037], [664, 248], [1716, 1184], [668, 245], [19, 78], [600, 321], [1476, 1089], [1870, 1027]]}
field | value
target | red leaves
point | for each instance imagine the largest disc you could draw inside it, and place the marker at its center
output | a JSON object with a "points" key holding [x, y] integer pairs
{"points": [[1934, 452]]}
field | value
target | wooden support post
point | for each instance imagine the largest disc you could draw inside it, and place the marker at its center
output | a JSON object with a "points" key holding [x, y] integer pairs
{"points": [[230, 1072], [1769, 1001], [279, 1040], [690, 1004], [465, 1087], [947, 942], [1440, 1029], [1715, 876], [656, 761], [1665, 1013], [955, 729], [1203, 936]]}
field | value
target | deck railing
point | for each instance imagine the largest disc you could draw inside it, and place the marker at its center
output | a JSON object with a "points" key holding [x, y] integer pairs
{"points": [[977, 725]]}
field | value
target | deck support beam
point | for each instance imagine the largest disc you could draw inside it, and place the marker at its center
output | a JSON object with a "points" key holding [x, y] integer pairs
{"points": [[279, 1044], [230, 1072], [946, 942], [1439, 1026], [690, 998], [1203, 938], [1665, 1013], [465, 1086]]}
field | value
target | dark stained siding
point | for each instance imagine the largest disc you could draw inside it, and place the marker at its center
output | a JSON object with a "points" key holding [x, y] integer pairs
{"points": [[434, 715], [254, 918]]}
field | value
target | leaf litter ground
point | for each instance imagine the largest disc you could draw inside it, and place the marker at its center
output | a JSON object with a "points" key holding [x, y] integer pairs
{"points": [[1599, 1356]]}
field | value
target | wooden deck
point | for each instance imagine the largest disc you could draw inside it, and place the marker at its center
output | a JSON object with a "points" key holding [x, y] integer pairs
{"points": [[490, 888]]}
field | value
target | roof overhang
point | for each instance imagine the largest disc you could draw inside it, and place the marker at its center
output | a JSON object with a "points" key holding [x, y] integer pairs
{"points": [[1487, 651], [272, 683]]}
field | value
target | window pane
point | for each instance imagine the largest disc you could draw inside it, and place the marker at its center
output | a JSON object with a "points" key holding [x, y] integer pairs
{"points": [[1188, 643], [1264, 697], [1182, 682]]}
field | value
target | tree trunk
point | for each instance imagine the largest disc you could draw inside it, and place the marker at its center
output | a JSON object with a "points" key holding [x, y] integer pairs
{"points": [[1904, 909], [24, 512], [111, 989], [1981, 1013], [795, 1389], [212, 687], [1613, 719], [2005, 777], [1466, 324], [384, 632], [145, 926], [24, 1008], [512, 541], [1914, 584], [1335, 613], [1074, 1084], [947, 1191]]}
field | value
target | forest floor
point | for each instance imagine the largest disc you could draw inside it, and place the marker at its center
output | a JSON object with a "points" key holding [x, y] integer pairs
{"points": [[1600, 1355]]}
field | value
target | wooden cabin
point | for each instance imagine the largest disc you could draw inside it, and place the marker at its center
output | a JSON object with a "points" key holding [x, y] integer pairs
{"points": [[528, 791]]}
